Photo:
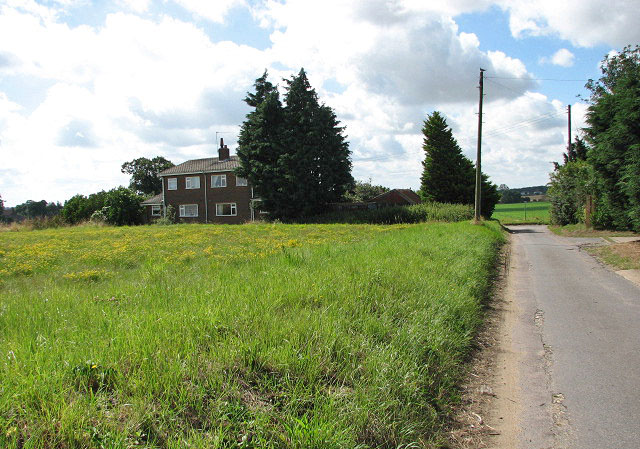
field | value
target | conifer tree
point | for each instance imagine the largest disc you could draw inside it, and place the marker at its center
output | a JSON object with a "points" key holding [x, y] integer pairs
{"points": [[448, 176], [260, 144], [296, 156], [613, 134]]}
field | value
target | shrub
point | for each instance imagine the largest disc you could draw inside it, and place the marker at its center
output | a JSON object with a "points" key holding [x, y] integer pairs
{"points": [[570, 185], [122, 207]]}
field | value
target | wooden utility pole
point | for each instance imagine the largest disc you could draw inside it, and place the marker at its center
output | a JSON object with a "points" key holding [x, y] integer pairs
{"points": [[569, 126], [479, 151]]}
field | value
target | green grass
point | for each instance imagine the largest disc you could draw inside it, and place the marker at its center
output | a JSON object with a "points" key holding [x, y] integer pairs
{"points": [[313, 336], [522, 213], [580, 230]]}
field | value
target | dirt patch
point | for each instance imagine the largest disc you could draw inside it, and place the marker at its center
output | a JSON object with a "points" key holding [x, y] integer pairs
{"points": [[486, 417]]}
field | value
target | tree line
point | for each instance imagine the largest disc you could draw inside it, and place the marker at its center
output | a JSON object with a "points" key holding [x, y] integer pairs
{"points": [[295, 154], [605, 162]]}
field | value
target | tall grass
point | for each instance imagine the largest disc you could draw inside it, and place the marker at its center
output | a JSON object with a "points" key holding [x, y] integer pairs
{"points": [[333, 345]]}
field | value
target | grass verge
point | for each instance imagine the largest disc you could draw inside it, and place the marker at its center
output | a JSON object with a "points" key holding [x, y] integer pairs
{"points": [[580, 230], [621, 256], [356, 340], [522, 213]]}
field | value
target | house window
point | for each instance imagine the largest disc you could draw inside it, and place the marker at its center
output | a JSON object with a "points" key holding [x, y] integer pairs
{"points": [[225, 209], [172, 183], [241, 182], [155, 211], [218, 181], [188, 210], [192, 182]]}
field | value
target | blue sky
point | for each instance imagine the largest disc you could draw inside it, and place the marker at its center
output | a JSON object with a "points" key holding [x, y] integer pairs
{"points": [[86, 86]]}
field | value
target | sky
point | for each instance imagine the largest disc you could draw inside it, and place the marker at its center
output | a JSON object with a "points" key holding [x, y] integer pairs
{"points": [[88, 85]]}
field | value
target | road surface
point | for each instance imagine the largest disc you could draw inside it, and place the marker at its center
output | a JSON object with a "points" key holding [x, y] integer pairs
{"points": [[571, 369]]}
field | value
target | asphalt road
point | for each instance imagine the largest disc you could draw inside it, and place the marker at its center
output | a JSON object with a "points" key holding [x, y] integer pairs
{"points": [[577, 336]]}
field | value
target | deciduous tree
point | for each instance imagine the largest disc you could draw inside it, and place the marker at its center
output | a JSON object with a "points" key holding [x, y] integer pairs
{"points": [[144, 174], [364, 191]]}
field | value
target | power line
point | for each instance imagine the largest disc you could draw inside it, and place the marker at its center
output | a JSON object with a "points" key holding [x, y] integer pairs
{"points": [[523, 124], [536, 79]]}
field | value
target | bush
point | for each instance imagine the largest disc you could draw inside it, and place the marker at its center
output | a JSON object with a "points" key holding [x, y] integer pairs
{"points": [[570, 185], [99, 216], [80, 208], [122, 207]]}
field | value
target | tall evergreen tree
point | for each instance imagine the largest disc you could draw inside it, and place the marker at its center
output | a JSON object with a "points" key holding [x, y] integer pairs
{"points": [[261, 144], [296, 156], [448, 176], [613, 134]]}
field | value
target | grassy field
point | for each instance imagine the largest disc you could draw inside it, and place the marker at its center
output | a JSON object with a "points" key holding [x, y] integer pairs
{"points": [[265, 336], [522, 213]]}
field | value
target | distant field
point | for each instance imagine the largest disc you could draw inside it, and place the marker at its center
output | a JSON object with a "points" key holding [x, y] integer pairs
{"points": [[520, 213], [254, 336]]}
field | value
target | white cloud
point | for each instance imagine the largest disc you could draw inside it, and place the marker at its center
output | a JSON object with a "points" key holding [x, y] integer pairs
{"points": [[584, 23], [134, 87], [562, 58]]}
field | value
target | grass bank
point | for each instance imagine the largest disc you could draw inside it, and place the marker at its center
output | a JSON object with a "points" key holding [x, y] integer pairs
{"points": [[580, 230], [293, 337], [523, 213]]}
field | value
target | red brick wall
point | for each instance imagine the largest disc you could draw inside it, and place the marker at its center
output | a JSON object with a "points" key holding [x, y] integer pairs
{"points": [[229, 194]]}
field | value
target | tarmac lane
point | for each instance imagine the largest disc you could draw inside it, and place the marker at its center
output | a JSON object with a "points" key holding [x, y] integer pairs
{"points": [[576, 337]]}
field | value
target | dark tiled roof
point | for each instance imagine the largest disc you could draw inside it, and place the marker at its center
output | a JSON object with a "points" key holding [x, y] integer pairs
{"points": [[209, 164], [407, 194], [154, 200]]}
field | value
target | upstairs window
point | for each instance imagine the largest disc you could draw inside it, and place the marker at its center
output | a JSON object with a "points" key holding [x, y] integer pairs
{"points": [[192, 182], [172, 183], [218, 181], [241, 182], [225, 209], [188, 210]]}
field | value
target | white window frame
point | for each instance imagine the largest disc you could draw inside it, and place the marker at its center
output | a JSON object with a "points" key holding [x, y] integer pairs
{"points": [[156, 210], [172, 181], [241, 182], [183, 210], [234, 210], [223, 181], [189, 182]]}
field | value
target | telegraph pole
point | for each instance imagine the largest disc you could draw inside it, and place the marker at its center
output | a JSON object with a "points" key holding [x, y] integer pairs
{"points": [[479, 151], [569, 126]]}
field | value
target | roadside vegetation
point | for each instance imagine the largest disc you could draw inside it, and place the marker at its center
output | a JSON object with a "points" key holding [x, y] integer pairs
{"points": [[601, 169], [621, 256], [268, 335], [522, 213], [580, 230]]}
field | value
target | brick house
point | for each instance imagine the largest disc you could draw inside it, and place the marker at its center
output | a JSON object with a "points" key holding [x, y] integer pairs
{"points": [[204, 191]]}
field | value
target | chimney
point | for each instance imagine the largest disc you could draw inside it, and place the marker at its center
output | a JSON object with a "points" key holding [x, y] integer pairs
{"points": [[223, 151]]}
